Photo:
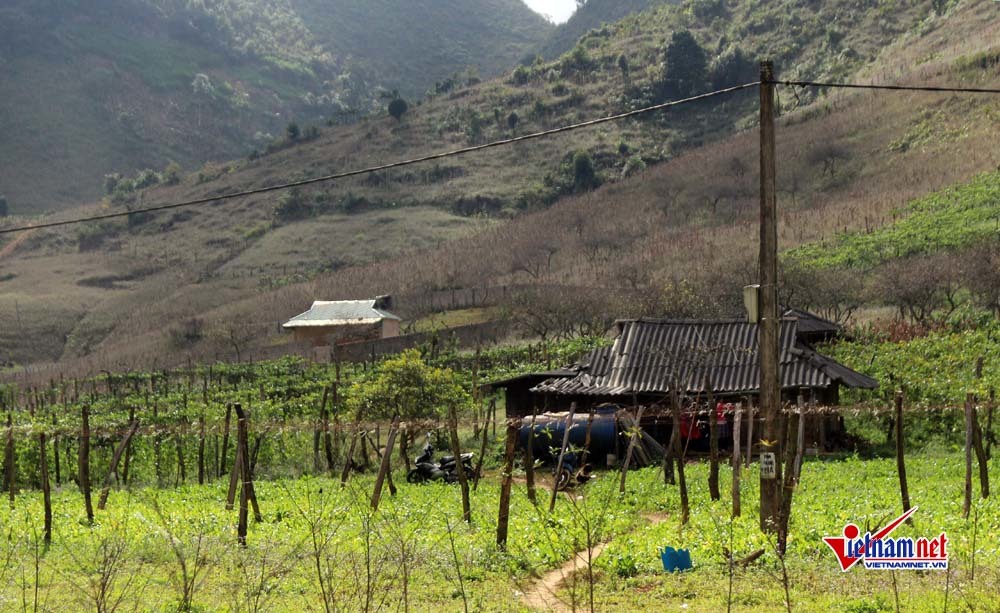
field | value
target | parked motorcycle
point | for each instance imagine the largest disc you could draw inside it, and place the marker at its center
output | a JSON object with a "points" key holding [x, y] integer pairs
{"points": [[426, 469], [571, 470]]}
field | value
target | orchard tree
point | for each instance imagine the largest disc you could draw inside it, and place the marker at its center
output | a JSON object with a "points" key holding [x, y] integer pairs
{"points": [[406, 386]]}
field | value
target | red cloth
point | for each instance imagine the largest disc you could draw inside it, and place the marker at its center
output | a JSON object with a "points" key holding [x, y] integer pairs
{"points": [[688, 428]]}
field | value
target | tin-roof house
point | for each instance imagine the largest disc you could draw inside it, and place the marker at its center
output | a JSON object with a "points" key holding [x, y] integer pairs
{"points": [[649, 356], [342, 321]]}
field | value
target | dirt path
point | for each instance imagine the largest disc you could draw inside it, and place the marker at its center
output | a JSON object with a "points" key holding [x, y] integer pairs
{"points": [[14, 244], [541, 596]]}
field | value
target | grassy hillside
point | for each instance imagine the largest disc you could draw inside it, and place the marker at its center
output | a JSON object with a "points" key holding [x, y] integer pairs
{"points": [[121, 85], [675, 238]]}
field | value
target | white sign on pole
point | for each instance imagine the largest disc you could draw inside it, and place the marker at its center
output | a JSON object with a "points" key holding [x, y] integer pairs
{"points": [[768, 466]]}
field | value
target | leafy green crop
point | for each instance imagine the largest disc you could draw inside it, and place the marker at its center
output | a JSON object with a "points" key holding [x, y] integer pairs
{"points": [[950, 219]]}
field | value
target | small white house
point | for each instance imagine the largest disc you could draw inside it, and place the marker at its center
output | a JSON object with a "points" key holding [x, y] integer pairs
{"points": [[343, 321]]}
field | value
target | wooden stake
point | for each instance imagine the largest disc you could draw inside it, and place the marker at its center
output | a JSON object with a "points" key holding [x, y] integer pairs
{"points": [[247, 490], [84, 464], [234, 476], [562, 455], [713, 436], [350, 457], [10, 466], [503, 517], [790, 479], [463, 482], [385, 465], [225, 439], [737, 422], [201, 447], [327, 437], [967, 504], [981, 459], [904, 490], [43, 464], [529, 460], [633, 437], [678, 453], [113, 472], [479, 463]]}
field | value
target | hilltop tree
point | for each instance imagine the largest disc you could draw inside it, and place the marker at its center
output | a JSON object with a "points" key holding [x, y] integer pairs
{"points": [[584, 175], [685, 66], [292, 131], [397, 108], [4, 207]]}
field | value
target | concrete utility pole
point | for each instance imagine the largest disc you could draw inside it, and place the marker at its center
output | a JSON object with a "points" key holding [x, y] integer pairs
{"points": [[770, 386]]}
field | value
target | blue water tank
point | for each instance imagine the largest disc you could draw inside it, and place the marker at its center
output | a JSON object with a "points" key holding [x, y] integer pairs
{"points": [[549, 429]]}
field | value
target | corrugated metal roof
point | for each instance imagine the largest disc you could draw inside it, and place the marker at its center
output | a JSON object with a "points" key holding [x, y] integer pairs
{"points": [[648, 355], [339, 313], [812, 324]]}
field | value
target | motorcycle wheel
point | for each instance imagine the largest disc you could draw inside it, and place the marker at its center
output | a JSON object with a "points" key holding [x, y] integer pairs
{"points": [[563, 479], [415, 476]]}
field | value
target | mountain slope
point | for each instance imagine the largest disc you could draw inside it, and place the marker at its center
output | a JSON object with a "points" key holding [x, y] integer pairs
{"points": [[593, 14], [120, 85], [680, 230]]}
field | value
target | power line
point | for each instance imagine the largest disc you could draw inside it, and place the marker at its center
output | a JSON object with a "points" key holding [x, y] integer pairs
{"points": [[905, 88], [353, 173]]}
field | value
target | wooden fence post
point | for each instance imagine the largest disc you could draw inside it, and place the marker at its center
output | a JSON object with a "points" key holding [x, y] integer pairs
{"points": [[503, 517], [84, 464], [562, 455], [750, 419], [113, 471], [456, 449], [385, 465], [737, 422], [201, 446]]}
